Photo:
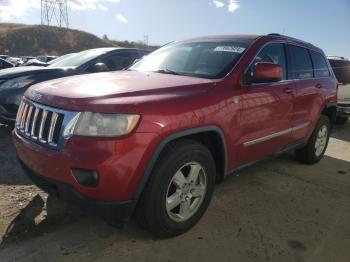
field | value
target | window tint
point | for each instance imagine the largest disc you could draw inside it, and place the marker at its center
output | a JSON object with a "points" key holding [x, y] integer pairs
{"points": [[120, 60], [272, 53], [300, 63], [320, 64]]}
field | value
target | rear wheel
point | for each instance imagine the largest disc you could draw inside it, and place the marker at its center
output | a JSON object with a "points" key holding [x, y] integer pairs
{"points": [[341, 120], [315, 148], [179, 190]]}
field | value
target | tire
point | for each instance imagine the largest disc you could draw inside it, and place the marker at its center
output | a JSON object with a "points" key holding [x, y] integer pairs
{"points": [[309, 154], [153, 211], [341, 120]]}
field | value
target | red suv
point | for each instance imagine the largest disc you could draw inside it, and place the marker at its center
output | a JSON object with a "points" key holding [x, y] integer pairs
{"points": [[155, 138]]}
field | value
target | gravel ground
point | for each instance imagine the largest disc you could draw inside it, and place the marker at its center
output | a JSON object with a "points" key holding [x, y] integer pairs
{"points": [[278, 210]]}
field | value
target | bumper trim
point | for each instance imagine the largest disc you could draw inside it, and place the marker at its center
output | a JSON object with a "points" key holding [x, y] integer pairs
{"points": [[114, 213], [343, 110]]}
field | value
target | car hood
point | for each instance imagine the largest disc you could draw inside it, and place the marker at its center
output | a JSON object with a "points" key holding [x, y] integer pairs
{"points": [[26, 70], [114, 91]]}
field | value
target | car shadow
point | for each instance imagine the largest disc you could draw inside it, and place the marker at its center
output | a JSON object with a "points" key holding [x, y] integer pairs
{"points": [[341, 132], [41, 215], [10, 170]]}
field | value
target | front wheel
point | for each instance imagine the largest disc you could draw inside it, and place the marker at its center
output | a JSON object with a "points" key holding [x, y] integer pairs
{"points": [[179, 190], [315, 148]]}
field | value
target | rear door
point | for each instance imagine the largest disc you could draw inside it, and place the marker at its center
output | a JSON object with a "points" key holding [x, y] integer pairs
{"points": [[309, 85], [266, 113]]}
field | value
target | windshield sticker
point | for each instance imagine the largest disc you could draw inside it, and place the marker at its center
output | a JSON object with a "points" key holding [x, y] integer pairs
{"points": [[232, 49]]}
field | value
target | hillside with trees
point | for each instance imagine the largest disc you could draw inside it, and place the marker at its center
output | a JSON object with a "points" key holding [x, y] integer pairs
{"points": [[34, 40]]}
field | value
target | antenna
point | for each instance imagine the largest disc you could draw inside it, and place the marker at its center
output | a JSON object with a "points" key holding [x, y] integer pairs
{"points": [[54, 12]]}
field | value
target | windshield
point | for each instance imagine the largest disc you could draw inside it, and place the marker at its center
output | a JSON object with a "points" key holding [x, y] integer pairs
{"points": [[78, 59], [198, 59], [60, 58]]}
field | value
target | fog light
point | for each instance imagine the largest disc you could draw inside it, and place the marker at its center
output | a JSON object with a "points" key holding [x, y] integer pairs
{"points": [[86, 177]]}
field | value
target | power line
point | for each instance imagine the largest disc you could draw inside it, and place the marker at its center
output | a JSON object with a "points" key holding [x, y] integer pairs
{"points": [[54, 12]]}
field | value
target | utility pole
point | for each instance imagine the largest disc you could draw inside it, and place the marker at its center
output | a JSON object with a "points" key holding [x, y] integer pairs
{"points": [[146, 40], [54, 12]]}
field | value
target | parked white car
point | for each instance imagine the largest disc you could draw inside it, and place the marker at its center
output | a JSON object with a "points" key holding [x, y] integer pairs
{"points": [[341, 68]]}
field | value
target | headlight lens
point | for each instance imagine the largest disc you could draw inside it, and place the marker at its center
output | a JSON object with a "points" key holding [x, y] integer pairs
{"points": [[20, 82], [105, 125]]}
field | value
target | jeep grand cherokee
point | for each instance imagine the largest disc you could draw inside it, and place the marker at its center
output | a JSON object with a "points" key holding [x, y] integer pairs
{"points": [[156, 138]]}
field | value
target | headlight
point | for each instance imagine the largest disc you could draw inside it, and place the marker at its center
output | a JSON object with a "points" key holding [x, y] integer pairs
{"points": [[103, 125], [20, 82]]}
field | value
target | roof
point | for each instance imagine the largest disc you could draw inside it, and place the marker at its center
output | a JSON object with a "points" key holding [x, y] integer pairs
{"points": [[223, 38], [251, 38]]}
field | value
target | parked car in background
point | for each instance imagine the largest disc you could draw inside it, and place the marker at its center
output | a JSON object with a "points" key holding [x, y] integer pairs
{"points": [[35, 62], [14, 82], [341, 68], [25, 59], [5, 64], [46, 58], [4, 57], [156, 137], [15, 60]]}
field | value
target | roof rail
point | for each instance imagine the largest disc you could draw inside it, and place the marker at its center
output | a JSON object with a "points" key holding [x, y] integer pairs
{"points": [[290, 37]]}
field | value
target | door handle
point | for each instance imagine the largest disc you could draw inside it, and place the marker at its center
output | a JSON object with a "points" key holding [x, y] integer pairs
{"points": [[288, 90], [319, 85], [236, 99]]}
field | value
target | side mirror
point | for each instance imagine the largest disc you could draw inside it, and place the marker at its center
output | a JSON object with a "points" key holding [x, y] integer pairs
{"points": [[98, 68], [267, 72]]}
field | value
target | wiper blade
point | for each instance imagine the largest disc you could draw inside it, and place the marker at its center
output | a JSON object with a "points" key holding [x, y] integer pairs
{"points": [[167, 71]]}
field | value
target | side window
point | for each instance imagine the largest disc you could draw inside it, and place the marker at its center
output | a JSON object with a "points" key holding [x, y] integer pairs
{"points": [[272, 53], [300, 63], [119, 61], [320, 65]]}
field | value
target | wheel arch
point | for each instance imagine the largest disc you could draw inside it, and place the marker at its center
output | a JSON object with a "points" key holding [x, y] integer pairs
{"points": [[205, 135], [330, 110]]}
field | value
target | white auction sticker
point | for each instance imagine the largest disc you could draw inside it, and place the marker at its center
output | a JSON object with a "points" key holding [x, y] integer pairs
{"points": [[233, 49]]}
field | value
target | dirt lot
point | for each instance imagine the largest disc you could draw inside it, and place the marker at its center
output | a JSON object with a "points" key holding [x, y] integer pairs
{"points": [[278, 210]]}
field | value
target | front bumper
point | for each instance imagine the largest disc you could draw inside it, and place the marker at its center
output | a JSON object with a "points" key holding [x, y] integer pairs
{"points": [[115, 213], [120, 163], [343, 110]]}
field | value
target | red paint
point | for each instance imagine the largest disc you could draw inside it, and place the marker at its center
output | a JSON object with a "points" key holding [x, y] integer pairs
{"points": [[169, 104], [268, 71]]}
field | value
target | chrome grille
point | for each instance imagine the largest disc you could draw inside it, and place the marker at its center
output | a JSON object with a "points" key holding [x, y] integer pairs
{"points": [[40, 123]]}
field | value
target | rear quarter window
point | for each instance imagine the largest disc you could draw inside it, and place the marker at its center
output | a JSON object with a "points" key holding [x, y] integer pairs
{"points": [[320, 64], [300, 64]]}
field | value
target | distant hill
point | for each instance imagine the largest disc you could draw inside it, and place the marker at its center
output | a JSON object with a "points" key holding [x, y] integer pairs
{"points": [[34, 40], [18, 40]]}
